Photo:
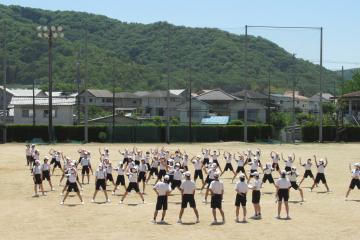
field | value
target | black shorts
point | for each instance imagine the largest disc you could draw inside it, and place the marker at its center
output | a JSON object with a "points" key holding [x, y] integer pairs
{"points": [[162, 173], [148, 165], [320, 177], [46, 175], [252, 171], [162, 203], [198, 173], [268, 177], [294, 185], [288, 169], [276, 166], [256, 196], [72, 187], [216, 161], [308, 173], [137, 162], [37, 179], [216, 201], [240, 200], [354, 182], [240, 169], [57, 164], [133, 186], [142, 176], [120, 180], [188, 198], [171, 178], [126, 160], [208, 181], [228, 166], [53, 160], [109, 177], [28, 158], [175, 184], [186, 168], [206, 161], [154, 170], [85, 169], [283, 195], [100, 183]]}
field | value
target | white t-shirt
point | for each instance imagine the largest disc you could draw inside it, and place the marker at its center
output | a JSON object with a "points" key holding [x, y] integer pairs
{"points": [[307, 166], [240, 162], [45, 167], [321, 168], [268, 169], [275, 159], [162, 188], [109, 169], [120, 171], [72, 176], [28, 152], [257, 184], [254, 165], [188, 187], [288, 163], [211, 173], [217, 187], [228, 159], [293, 176], [37, 169], [84, 162], [241, 187], [143, 167], [283, 183], [185, 161], [155, 164], [133, 177], [355, 173], [177, 174], [100, 174], [197, 165]]}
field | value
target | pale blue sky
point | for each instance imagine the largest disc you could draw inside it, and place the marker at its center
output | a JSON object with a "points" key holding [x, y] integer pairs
{"points": [[340, 20]]}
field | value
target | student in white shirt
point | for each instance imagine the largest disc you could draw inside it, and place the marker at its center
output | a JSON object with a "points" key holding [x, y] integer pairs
{"points": [[56, 160], [109, 170], [308, 172], [45, 168], [188, 188], [212, 170], [133, 184], [255, 187], [198, 165], [241, 162], [85, 167], [37, 176], [292, 177], [28, 155], [100, 182], [288, 162], [71, 174], [267, 170], [162, 190], [185, 163], [282, 188], [153, 168], [320, 176], [120, 180], [163, 168], [178, 173], [241, 189], [206, 155], [228, 166], [355, 178], [143, 168], [217, 191], [275, 157]]}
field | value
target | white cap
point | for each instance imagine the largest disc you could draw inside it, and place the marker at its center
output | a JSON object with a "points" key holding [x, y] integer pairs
{"points": [[256, 158], [241, 175], [255, 174], [198, 156], [187, 174], [46, 157], [321, 160], [214, 165], [283, 172], [166, 177], [293, 168], [216, 175], [37, 162], [357, 164]]}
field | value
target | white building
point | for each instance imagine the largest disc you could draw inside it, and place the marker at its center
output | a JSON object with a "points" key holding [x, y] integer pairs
{"points": [[62, 110], [314, 101], [199, 110]]}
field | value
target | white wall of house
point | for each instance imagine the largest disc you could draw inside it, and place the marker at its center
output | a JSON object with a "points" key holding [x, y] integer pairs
{"points": [[256, 112], [127, 102], [95, 101], [157, 106], [62, 115], [199, 111]]}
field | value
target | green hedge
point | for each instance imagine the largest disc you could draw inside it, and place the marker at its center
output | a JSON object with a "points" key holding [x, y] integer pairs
{"points": [[349, 134], [200, 133]]}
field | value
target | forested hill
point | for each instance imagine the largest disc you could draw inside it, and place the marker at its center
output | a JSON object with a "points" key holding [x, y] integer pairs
{"points": [[138, 53]]}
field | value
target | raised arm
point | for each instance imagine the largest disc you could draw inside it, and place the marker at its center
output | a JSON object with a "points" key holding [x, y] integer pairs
{"points": [[300, 161], [282, 157], [326, 161], [293, 157]]}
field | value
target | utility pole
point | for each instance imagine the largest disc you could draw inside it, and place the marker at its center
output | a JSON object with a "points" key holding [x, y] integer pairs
{"points": [[78, 81], [168, 90], [5, 80], [342, 94], [190, 105], [51, 136], [245, 87], [293, 100], [321, 100], [33, 103], [86, 136], [269, 99], [113, 103]]}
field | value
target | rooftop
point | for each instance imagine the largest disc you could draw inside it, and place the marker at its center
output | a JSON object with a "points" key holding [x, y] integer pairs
{"points": [[216, 95], [42, 101], [250, 94]]}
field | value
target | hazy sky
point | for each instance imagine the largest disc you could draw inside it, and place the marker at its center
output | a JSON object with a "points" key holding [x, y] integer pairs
{"points": [[340, 20]]}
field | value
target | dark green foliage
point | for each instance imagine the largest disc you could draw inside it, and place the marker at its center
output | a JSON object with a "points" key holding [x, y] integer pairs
{"points": [[137, 51]]}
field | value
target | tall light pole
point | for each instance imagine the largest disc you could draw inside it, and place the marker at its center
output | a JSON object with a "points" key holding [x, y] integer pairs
{"points": [[245, 87], [50, 33], [321, 100], [4, 87], [168, 90], [78, 81], [86, 135], [113, 103], [190, 105], [293, 100]]}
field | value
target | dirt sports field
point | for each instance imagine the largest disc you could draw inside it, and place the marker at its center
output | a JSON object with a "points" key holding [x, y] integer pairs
{"points": [[322, 216]]}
